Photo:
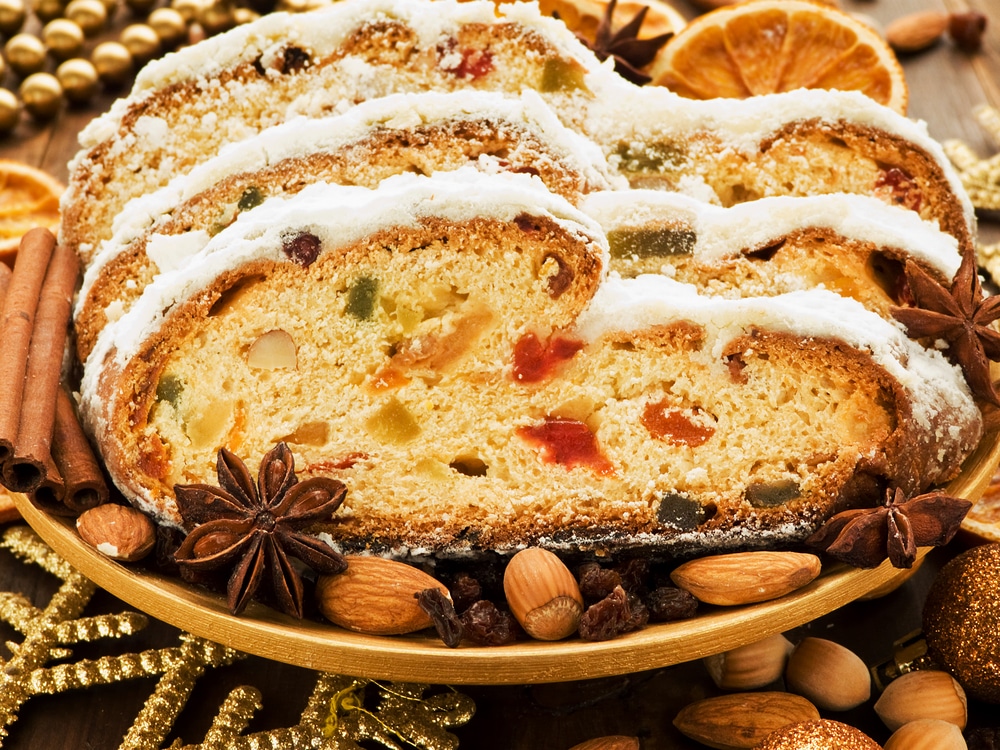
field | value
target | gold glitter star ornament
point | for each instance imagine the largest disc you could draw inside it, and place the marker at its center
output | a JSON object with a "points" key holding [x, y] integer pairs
{"points": [[960, 620]]}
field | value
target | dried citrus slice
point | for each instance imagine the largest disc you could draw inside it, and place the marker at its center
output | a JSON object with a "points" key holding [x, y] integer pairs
{"points": [[29, 198], [768, 46], [583, 16], [983, 521]]}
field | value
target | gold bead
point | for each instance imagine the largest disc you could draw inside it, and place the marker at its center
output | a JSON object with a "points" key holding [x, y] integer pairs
{"points": [[113, 63], [10, 111], [216, 17], [46, 10], [89, 15], [244, 15], [12, 15], [141, 7], [78, 78], [189, 9], [141, 42], [63, 38], [42, 95], [169, 25], [25, 54], [110, 6]]}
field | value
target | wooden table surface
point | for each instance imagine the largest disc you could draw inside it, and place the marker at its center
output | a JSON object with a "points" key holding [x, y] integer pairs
{"points": [[945, 85]]}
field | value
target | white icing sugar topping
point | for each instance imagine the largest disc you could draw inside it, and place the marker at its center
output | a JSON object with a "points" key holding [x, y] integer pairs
{"points": [[724, 232], [649, 300]]}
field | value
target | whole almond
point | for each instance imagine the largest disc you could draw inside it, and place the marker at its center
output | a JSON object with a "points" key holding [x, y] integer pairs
{"points": [[118, 531], [742, 720], [916, 31], [830, 675], [746, 577], [923, 694], [927, 734], [376, 596], [543, 595], [751, 666], [611, 742]]}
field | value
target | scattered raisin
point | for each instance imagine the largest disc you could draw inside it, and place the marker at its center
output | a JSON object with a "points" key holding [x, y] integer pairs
{"points": [[966, 30], [293, 59], [560, 281], [439, 608], [486, 625], [302, 248], [615, 614], [465, 591], [634, 575], [597, 582], [668, 603]]}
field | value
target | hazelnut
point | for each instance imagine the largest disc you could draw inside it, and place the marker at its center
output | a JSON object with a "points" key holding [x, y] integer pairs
{"points": [[118, 531], [751, 666], [924, 694], [543, 594], [832, 676], [966, 30], [927, 734]]}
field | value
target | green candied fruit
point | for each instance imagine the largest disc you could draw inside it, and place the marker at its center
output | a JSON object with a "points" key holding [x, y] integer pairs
{"points": [[392, 424], [651, 243], [681, 512], [361, 298], [169, 389], [562, 75], [771, 494], [252, 197], [649, 158]]}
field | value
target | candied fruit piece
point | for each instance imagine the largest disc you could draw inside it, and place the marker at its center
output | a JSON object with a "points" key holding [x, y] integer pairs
{"points": [[689, 427], [207, 424], [309, 433], [560, 75], [361, 296], [897, 187], [649, 158], [659, 242], [534, 361], [771, 494], [169, 389], [567, 442], [392, 423], [252, 197], [682, 512]]}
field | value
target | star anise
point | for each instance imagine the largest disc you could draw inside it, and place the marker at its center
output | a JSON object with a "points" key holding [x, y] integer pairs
{"points": [[961, 317], [866, 536], [255, 529], [630, 53]]}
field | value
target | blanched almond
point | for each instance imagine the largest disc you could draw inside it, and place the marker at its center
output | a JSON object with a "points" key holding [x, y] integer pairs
{"points": [[273, 350], [746, 577]]}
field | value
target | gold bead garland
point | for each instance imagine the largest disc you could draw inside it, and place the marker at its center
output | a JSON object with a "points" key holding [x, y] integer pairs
{"points": [[66, 30]]}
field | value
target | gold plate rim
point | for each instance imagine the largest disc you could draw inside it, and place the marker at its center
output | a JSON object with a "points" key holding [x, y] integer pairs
{"points": [[264, 632]]}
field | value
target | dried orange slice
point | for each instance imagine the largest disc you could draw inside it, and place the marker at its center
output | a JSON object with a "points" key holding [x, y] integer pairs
{"points": [[768, 46], [583, 16], [29, 198], [983, 521]]}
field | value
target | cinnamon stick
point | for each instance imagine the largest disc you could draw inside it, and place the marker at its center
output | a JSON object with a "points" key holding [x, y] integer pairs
{"points": [[26, 467], [73, 481], [16, 323]]}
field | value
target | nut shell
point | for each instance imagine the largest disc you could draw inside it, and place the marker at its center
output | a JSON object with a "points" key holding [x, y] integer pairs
{"points": [[830, 675], [611, 742], [742, 720], [117, 531], [746, 577], [924, 694], [376, 596], [543, 595], [751, 666], [927, 734]]}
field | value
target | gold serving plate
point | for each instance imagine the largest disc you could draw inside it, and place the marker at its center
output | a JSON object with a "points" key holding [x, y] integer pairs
{"points": [[423, 658]]}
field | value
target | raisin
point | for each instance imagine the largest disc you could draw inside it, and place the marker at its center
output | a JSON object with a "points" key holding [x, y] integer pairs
{"points": [[560, 281], [486, 625], [680, 512], [634, 574], [615, 614], [302, 248], [465, 591], [597, 582], [668, 603], [293, 59], [439, 608]]}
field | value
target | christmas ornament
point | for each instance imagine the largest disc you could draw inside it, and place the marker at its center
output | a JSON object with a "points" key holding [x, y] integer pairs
{"points": [[960, 620], [342, 712]]}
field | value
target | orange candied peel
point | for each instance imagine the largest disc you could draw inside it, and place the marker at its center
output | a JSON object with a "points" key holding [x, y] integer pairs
{"points": [[770, 46]]}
